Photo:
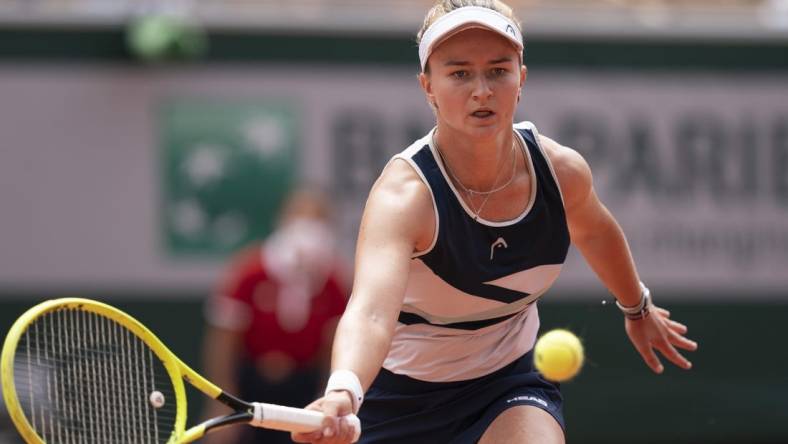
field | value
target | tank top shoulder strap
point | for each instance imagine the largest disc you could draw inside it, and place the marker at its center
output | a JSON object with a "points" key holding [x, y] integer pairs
{"points": [[541, 161]]}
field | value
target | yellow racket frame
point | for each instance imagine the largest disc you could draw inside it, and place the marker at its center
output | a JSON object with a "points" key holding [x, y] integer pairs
{"points": [[177, 370]]}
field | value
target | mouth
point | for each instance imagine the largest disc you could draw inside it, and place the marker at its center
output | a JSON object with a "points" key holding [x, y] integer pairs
{"points": [[483, 114]]}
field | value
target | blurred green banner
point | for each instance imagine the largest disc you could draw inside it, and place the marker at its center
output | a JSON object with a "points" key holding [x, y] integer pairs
{"points": [[225, 168]]}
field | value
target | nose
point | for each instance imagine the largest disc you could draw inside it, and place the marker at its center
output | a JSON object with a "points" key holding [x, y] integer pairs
{"points": [[482, 90]]}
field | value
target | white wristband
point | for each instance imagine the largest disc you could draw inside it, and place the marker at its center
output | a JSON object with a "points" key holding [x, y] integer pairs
{"points": [[346, 380]]}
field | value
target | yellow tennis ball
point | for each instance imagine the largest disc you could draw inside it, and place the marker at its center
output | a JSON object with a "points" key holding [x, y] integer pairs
{"points": [[558, 355]]}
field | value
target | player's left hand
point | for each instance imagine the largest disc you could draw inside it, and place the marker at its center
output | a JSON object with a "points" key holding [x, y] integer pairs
{"points": [[658, 332]]}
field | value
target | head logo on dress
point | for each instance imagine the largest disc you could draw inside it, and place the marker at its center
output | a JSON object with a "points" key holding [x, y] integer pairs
{"points": [[500, 242], [510, 30]]}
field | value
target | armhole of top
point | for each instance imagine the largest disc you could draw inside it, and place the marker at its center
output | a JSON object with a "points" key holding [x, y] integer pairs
{"points": [[418, 171], [531, 127]]}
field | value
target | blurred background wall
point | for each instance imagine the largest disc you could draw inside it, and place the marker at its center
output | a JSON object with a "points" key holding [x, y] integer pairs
{"points": [[143, 142]]}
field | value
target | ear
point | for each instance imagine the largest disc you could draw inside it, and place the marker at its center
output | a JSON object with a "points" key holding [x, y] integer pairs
{"points": [[523, 75], [426, 85]]}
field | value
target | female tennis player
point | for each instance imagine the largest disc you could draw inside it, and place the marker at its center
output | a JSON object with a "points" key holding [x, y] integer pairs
{"points": [[462, 233]]}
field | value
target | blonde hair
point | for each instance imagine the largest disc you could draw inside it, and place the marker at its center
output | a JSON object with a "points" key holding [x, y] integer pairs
{"points": [[443, 7]]}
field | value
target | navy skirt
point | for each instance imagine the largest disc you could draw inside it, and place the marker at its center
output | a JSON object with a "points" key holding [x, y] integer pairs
{"points": [[400, 409]]}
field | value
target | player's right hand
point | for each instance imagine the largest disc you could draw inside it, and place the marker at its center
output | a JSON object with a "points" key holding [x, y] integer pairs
{"points": [[335, 430]]}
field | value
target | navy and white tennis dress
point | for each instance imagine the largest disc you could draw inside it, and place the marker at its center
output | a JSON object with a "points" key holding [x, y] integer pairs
{"points": [[460, 353]]}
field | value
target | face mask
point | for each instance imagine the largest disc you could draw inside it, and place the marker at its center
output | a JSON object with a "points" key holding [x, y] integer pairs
{"points": [[299, 256]]}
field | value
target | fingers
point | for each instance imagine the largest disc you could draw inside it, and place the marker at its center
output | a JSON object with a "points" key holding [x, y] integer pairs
{"points": [[676, 332], [335, 429], [650, 358], [326, 434], [347, 432], [670, 352], [681, 342], [659, 333], [307, 437], [665, 313], [314, 436], [329, 426], [676, 326]]}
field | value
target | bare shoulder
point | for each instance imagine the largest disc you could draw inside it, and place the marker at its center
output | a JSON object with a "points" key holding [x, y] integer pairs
{"points": [[399, 188], [400, 204], [571, 170]]}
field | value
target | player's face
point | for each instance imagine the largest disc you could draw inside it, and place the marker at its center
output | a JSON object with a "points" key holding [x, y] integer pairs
{"points": [[474, 81]]}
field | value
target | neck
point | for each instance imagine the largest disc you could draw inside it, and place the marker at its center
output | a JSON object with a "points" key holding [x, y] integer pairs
{"points": [[476, 163]]}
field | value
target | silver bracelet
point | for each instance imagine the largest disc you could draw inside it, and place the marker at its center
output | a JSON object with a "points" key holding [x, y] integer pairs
{"points": [[641, 310]]}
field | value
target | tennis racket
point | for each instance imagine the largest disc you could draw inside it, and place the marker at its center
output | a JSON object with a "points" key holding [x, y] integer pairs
{"points": [[80, 371]]}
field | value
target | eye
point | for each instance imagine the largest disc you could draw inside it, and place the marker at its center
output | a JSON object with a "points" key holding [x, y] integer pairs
{"points": [[459, 74], [498, 72]]}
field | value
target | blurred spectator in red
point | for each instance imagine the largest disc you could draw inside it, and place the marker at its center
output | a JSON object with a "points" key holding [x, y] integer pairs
{"points": [[272, 319]]}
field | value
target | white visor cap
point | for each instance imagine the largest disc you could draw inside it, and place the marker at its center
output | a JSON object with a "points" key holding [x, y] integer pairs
{"points": [[464, 18]]}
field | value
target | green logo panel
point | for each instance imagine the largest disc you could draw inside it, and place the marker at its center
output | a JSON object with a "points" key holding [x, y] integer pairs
{"points": [[226, 166]]}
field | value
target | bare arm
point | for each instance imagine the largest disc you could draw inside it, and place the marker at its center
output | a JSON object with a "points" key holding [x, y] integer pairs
{"points": [[396, 223], [592, 227], [595, 232], [392, 223]]}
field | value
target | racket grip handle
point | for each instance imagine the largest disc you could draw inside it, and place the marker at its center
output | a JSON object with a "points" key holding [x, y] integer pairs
{"points": [[291, 419]]}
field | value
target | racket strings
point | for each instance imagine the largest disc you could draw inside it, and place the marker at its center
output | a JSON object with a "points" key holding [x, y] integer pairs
{"points": [[83, 378]]}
